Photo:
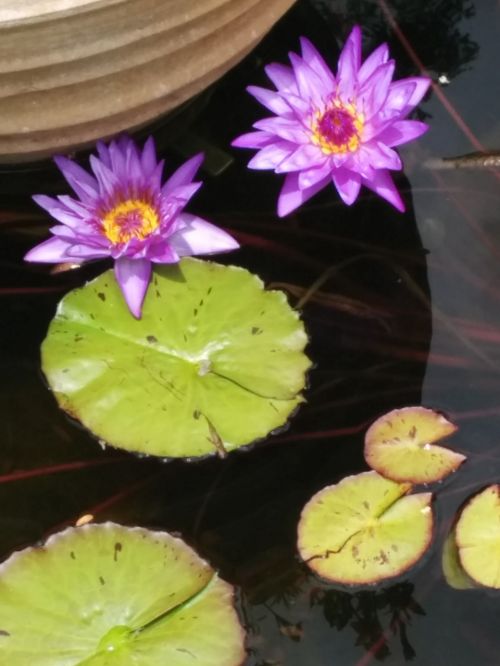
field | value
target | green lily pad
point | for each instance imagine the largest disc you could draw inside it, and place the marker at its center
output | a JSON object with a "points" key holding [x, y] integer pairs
{"points": [[452, 569], [400, 446], [364, 529], [215, 363], [478, 537], [106, 594]]}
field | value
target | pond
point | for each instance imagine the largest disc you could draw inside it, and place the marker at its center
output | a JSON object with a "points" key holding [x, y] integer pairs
{"points": [[400, 309]]}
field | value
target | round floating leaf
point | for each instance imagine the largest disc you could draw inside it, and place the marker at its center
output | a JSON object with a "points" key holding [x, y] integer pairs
{"points": [[107, 595], [400, 446], [215, 362], [478, 537], [452, 569], [364, 529]]}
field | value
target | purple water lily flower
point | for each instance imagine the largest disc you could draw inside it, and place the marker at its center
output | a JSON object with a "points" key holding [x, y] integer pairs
{"points": [[339, 128], [123, 211]]}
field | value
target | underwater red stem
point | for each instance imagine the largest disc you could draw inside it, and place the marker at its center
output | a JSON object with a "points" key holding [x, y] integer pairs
{"points": [[278, 248], [54, 469], [107, 503], [16, 291]]}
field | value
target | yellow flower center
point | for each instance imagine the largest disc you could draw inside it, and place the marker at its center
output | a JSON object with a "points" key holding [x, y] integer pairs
{"points": [[338, 128], [130, 219]]}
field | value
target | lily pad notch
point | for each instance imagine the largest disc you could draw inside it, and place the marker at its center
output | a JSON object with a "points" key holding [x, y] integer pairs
{"points": [[215, 363], [108, 595]]}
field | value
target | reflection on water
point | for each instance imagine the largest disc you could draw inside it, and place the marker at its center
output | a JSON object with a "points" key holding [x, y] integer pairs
{"points": [[379, 621], [439, 29], [375, 339], [367, 613]]}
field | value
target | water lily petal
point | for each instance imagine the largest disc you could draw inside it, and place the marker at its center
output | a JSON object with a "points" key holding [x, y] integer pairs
{"points": [[350, 56], [86, 253], [82, 210], [183, 193], [108, 182], [155, 178], [287, 129], [398, 97], [51, 251], [197, 236], [382, 184], [303, 157], [149, 161], [85, 186], [402, 131], [349, 63], [253, 140], [299, 106], [133, 249], [117, 154], [374, 60], [94, 240], [271, 100], [376, 88], [291, 196], [316, 62], [361, 161], [381, 156], [103, 152], [164, 254], [271, 156], [339, 159], [348, 184], [184, 174], [310, 85], [422, 85], [132, 166], [133, 276], [309, 177], [57, 210], [64, 232], [282, 77]]}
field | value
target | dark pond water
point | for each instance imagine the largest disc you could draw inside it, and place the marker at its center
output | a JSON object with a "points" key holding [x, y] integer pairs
{"points": [[409, 315]]}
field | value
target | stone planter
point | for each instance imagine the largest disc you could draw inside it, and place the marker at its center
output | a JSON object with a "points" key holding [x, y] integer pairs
{"points": [[72, 71]]}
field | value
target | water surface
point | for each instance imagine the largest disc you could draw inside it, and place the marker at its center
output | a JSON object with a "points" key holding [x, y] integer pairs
{"points": [[408, 314]]}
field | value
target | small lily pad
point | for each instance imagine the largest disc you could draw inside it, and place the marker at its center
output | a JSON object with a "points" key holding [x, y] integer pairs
{"points": [[215, 363], [452, 569], [400, 446], [478, 537], [364, 529], [108, 595]]}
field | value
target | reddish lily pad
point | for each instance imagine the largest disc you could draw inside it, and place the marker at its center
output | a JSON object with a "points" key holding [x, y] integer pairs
{"points": [[478, 537], [400, 446], [364, 529], [108, 595]]}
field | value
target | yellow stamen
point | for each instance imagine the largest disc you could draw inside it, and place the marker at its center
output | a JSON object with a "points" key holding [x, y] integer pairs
{"points": [[338, 128], [130, 219]]}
